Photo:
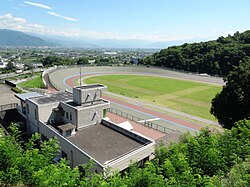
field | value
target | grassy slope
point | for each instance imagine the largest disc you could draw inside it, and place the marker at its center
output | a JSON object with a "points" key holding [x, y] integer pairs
{"points": [[186, 96], [37, 82]]}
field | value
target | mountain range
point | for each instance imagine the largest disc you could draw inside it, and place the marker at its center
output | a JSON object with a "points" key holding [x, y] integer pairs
{"points": [[17, 38]]}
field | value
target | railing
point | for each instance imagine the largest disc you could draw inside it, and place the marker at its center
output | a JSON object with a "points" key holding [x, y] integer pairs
{"points": [[8, 106], [145, 123]]}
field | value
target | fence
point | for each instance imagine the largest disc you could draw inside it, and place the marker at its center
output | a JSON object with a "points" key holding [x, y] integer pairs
{"points": [[145, 123], [8, 107]]}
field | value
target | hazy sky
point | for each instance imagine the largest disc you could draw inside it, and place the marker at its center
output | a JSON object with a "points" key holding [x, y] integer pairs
{"points": [[156, 20]]}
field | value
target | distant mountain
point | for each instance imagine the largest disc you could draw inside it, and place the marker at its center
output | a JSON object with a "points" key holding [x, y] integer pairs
{"points": [[16, 38]]}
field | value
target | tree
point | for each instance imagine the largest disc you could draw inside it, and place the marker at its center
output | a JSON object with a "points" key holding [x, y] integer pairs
{"points": [[212, 57], [233, 102], [10, 66], [51, 60], [82, 61]]}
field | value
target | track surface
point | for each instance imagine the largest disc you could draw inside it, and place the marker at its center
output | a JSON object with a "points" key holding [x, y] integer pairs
{"points": [[64, 79]]}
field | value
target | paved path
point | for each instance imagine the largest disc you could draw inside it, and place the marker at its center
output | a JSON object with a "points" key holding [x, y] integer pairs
{"points": [[164, 109], [7, 96]]}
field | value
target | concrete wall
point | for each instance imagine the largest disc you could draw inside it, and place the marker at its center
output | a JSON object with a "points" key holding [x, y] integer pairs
{"points": [[90, 115], [74, 154], [133, 135], [45, 112], [88, 95], [32, 112], [137, 155], [71, 111]]}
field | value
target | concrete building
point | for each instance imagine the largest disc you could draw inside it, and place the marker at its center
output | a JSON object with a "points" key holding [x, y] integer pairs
{"points": [[78, 121]]}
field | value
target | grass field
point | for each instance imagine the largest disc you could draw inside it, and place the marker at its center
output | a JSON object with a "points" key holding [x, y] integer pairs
{"points": [[37, 82], [186, 96]]}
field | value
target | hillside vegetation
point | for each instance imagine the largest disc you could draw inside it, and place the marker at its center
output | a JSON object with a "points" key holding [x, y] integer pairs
{"points": [[216, 57], [207, 159]]}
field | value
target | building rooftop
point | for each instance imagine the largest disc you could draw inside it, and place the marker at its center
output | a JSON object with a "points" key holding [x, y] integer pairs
{"points": [[28, 95], [57, 97], [103, 143], [97, 102], [85, 87], [65, 127]]}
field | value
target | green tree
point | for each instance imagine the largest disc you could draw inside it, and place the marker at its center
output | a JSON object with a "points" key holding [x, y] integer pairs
{"points": [[232, 103], [82, 61], [10, 66]]}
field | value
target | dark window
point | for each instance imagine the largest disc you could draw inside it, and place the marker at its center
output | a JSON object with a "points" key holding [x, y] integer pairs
{"points": [[67, 115], [68, 132], [70, 116], [64, 155], [35, 114]]}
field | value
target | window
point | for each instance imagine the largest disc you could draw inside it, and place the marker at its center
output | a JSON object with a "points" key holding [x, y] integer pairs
{"points": [[64, 155], [67, 115], [70, 116], [35, 114], [68, 132], [28, 110]]}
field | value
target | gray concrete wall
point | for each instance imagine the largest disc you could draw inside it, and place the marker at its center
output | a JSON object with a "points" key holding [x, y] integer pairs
{"points": [[32, 112], [45, 112], [71, 111], [84, 96], [137, 155], [90, 115]]}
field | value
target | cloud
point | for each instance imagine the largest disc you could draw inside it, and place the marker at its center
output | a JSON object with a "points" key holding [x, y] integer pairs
{"points": [[13, 20], [61, 16], [8, 21], [38, 5]]}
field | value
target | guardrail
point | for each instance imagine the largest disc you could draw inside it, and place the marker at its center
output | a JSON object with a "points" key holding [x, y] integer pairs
{"points": [[145, 123]]}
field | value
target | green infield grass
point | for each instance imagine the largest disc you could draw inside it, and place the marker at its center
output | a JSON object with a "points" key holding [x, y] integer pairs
{"points": [[36, 82], [186, 96]]}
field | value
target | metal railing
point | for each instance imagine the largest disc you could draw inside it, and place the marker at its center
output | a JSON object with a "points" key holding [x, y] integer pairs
{"points": [[145, 123]]}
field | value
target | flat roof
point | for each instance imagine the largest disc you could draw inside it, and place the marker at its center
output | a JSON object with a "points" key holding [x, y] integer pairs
{"points": [[56, 97], [65, 127], [28, 95], [97, 102], [103, 143], [90, 86]]}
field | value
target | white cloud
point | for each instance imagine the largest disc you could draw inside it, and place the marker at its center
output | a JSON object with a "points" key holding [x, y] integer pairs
{"points": [[61, 16], [8, 21], [9, 17], [38, 5]]}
